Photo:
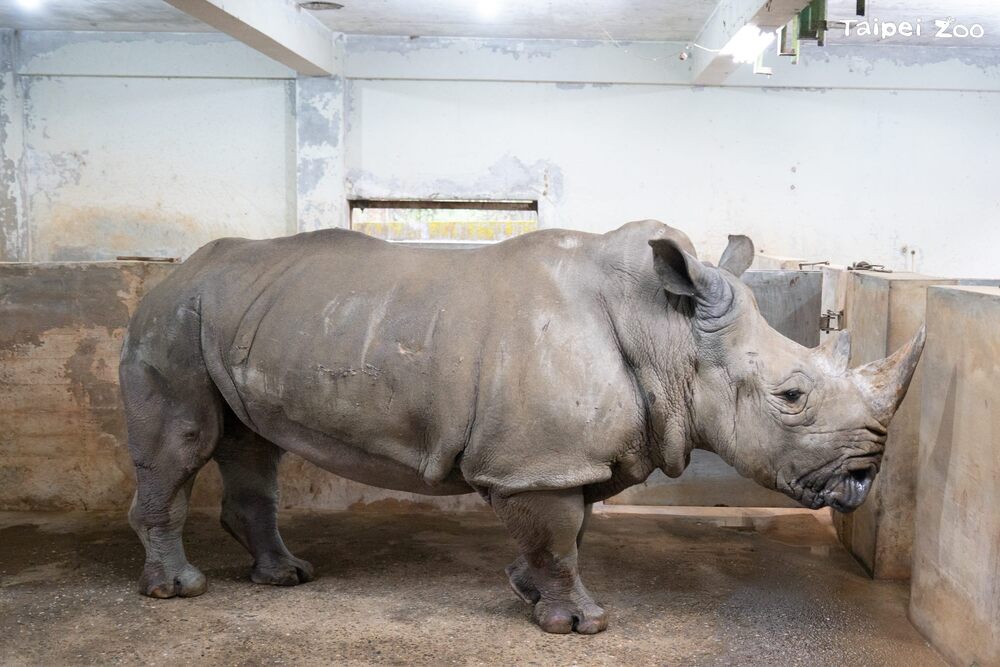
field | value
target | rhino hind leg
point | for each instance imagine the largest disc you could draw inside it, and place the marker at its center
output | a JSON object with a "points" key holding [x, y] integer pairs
{"points": [[547, 526], [171, 434], [519, 574], [249, 467]]}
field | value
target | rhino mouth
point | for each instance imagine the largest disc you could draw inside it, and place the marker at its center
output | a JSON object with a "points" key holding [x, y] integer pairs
{"points": [[847, 490]]}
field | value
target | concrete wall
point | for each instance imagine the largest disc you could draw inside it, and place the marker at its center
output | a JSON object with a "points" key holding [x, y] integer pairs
{"points": [[883, 311], [62, 431], [599, 155], [150, 144], [955, 595], [61, 424], [604, 135], [142, 145]]}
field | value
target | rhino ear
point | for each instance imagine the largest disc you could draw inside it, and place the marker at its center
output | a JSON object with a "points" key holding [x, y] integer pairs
{"points": [[678, 271], [738, 255], [684, 275]]}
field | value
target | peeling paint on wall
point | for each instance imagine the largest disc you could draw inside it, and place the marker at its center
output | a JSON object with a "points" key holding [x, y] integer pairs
{"points": [[13, 236], [92, 53], [319, 113], [681, 155], [507, 178], [154, 167]]}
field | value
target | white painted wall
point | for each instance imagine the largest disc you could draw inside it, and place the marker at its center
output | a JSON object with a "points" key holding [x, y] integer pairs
{"points": [[117, 158], [840, 175], [152, 144], [156, 167]]}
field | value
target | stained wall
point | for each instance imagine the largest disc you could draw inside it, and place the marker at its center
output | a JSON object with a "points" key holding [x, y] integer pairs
{"points": [[124, 146], [131, 143], [62, 431], [955, 596]]}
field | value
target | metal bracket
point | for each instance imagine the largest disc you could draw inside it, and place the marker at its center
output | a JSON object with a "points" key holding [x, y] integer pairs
{"points": [[832, 321], [867, 266], [803, 265]]}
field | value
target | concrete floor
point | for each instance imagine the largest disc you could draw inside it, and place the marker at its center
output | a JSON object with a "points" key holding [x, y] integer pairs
{"points": [[428, 588]]}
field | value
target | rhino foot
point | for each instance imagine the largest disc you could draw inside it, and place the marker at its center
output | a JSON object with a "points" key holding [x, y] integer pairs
{"points": [[519, 577], [560, 617], [284, 570], [157, 582]]}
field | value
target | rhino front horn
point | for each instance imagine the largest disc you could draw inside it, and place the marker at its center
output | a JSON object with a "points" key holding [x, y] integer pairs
{"points": [[885, 382]]}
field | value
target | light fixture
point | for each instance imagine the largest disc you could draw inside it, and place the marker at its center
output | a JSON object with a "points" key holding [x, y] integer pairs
{"points": [[30, 4], [320, 6], [488, 9], [747, 44]]}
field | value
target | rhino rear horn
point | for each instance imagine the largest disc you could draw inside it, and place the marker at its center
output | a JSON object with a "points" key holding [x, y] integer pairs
{"points": [[884, 382], [738, 255], [835, 352]]}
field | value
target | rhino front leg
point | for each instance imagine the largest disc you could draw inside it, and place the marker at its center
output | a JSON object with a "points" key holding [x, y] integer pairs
{"points": [[249, 467], [547, 526], [168, 450], [519, 575]]}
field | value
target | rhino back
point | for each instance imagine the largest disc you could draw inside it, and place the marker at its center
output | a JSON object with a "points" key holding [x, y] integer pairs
{"points": [[499, 358]]}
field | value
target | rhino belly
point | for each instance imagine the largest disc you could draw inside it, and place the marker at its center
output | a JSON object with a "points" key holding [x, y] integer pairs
{"points": [[360, 462], [367, 425]]}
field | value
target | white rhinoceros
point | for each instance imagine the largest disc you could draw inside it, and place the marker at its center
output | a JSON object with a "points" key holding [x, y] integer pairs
{"points": [[546, 372]]}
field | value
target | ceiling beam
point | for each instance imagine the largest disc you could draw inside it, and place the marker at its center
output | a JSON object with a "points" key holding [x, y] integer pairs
{"points": [[276, 28], [708, 65]]}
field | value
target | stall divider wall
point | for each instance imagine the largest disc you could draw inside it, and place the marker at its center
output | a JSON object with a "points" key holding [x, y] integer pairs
{"points": [[882, 312], [955, 594]]}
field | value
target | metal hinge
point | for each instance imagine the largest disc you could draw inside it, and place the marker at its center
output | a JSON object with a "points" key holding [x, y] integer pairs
{"points": [[832, 321], [804, 265]]}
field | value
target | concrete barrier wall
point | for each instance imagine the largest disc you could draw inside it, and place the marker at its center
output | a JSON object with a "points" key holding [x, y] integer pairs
{"points": [[955, 597], [61, 423], [834, 295], [766, 262], [62, 431], [883, 311]]}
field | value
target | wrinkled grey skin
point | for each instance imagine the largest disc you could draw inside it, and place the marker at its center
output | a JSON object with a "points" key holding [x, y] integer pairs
{"points": [[547, 372]]}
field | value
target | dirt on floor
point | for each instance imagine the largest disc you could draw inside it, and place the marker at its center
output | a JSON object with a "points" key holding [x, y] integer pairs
{"points": [[428, 589]]}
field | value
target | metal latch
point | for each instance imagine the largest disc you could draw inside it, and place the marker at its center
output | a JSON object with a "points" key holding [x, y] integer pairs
{"points": [[831, 321]]}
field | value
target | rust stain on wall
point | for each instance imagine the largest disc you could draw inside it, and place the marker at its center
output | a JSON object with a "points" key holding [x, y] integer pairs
{"points": [[96, 233], [62, 432]]}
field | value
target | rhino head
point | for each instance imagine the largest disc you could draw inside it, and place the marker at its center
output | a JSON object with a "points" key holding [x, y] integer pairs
{"points": [[794, 419]]}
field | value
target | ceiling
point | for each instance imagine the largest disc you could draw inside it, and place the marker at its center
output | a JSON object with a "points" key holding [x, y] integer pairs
{"points": [[114, 15], [671, 20], [543, 19]]}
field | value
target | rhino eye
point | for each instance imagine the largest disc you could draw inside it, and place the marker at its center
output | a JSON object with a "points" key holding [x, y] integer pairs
{"points": [[792, 395]]}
